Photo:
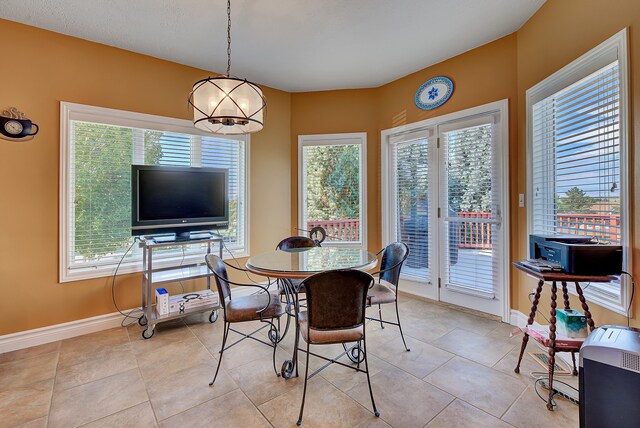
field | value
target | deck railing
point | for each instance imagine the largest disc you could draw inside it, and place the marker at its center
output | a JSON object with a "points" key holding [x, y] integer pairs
{"points": [[477, 235], [339, 230], [604, 226], [473, 234]]}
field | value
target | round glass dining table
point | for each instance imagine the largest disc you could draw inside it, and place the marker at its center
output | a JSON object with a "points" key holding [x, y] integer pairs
{"points": [[296, 264], [304, 262]]}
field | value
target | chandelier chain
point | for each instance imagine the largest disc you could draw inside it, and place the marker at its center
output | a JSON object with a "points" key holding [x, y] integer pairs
{"points": [[228, 37]]}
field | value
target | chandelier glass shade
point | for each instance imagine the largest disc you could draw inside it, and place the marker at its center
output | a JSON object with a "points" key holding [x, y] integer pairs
{"points": [[227, 105]]}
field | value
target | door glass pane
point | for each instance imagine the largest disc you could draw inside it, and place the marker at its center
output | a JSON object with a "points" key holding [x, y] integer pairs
{"points": [[412, 190], [469, 220]]}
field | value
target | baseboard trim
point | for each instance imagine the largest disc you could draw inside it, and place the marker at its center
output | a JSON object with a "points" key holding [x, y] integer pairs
{"points": [[67, 330], [52, 333]]}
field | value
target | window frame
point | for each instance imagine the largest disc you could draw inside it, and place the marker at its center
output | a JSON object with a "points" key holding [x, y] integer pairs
{"points": [[359, 138], [80, 112], [614, 48]]}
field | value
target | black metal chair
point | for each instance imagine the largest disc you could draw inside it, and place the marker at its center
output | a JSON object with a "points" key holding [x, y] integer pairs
{"points": [[295, 242], [261, 306], [336, 308], [385, 290]]}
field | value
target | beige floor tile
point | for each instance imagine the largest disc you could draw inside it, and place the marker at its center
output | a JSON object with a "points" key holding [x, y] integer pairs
{"points": [[140, 416], [470, 322], [380, 337], [345, 378], [425, 329], [508, 363], [180, 391], [259, 382], [230, 410], [417, 307], [244, 352], [34, 351], [37, 423], [403, 400], [172, 358], [530, 411], [23, 372], [92, 401], [209, 334], [25, 404], [506, 332], [82, 348], [485, 388], [103, 363], [460, 414], [325, 406], [421, 360], [475, 347], [165, 333]]}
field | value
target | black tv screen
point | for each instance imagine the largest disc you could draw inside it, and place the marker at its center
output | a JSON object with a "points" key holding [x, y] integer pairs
{"points": [[178, 199]]}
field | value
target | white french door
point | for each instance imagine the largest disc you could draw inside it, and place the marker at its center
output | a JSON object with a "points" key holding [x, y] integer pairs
{"points": [[444, 189], [470, 223]]}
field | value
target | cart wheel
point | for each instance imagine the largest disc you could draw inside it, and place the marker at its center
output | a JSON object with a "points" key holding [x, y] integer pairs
{"points": [[146, 334], [287, 369], [213, 317], [355, 354], [142, 321]]}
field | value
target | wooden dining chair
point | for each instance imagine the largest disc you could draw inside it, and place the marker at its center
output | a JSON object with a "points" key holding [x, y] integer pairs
{"points": [[261, 306], [336, 306], [385, 290]]}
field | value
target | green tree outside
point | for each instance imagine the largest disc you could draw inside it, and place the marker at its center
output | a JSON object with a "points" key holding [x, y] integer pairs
{"points": [[333, 182]]}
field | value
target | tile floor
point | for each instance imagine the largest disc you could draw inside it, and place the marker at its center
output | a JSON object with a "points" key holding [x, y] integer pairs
{"points": [[459, 373]]}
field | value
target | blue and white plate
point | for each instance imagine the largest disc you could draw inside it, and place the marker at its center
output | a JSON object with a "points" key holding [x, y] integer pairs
{"points": [[434, 92]]}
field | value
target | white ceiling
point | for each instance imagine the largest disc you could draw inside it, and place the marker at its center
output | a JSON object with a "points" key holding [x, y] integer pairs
{"points": [[294, 45]]}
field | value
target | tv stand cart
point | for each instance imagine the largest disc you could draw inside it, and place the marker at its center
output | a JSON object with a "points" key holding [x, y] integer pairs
{"points": [[152, 277]]}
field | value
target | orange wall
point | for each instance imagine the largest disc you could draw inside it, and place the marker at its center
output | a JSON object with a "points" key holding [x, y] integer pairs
{"points": [[50, 68], [557, 34], [333, 112]]}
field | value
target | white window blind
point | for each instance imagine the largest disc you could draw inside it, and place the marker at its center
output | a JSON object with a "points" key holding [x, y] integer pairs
{"points": [[332, 186], [473, 215], [576, 159], [97, 192], [578, 156], [411, 181]]}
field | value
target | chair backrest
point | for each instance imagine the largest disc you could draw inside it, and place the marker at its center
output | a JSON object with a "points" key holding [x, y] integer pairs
{"points": [[393, 258], [216, 265], [336, 299], [295, 242]]}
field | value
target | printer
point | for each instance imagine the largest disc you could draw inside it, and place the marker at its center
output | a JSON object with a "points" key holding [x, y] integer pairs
{"points": [[610, 378], [578, 255]]}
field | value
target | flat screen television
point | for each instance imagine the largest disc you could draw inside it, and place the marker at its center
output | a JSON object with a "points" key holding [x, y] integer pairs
{"points": [[180, 200]]}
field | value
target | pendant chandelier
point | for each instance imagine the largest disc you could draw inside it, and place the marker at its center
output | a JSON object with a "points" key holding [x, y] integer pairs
{"points": [[227, 104]]}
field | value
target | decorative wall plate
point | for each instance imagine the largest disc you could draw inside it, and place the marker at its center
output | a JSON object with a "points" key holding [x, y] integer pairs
{"points": [[434, 92]]}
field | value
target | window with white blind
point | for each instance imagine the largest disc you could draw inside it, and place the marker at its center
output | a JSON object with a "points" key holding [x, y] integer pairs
{"points": [[98, 147], [332, 186], [577, 132]]}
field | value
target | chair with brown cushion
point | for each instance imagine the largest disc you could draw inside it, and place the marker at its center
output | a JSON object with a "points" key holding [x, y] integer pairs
{"points": [[385, 290], [261, 306], [336, 306]]}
